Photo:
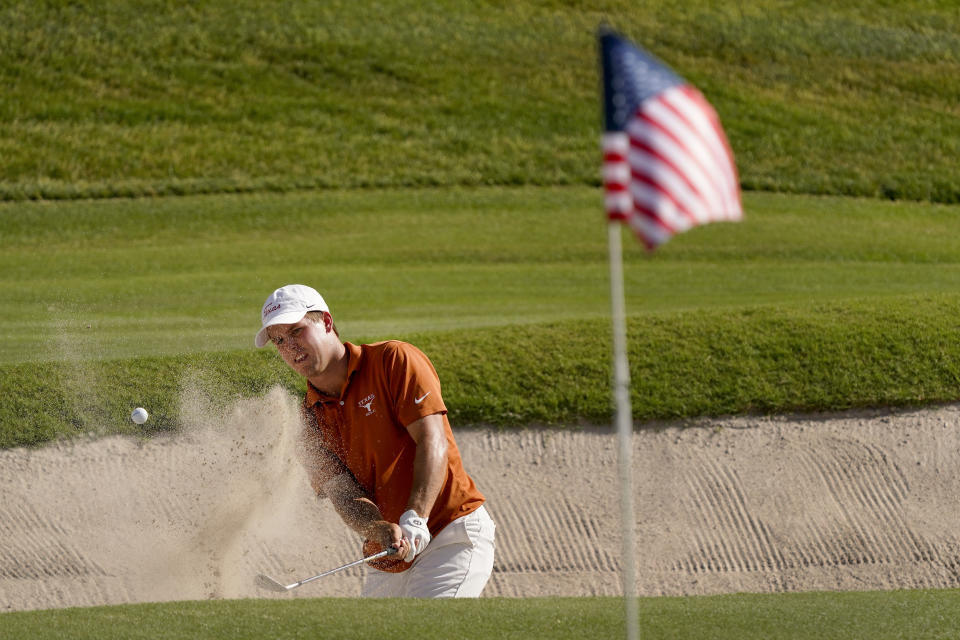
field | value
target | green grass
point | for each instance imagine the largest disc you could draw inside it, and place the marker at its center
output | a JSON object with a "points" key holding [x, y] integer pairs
{"points": [[155, 98], [811, 304], [918, 615], [757, 360], [125, 278], [327, 113]]}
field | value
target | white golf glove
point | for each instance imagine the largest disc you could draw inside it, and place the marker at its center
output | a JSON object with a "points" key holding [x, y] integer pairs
{"points": [[415, 531]]}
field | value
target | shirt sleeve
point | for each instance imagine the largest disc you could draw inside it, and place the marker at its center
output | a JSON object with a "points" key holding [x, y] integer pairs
{"points": [[414, 384]]}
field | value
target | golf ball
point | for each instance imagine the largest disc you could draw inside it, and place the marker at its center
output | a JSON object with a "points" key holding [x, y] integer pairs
{"points": [[139, 415]]}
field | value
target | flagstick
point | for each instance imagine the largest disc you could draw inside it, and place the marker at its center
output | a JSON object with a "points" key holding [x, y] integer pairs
{"points": [[624, 429]]}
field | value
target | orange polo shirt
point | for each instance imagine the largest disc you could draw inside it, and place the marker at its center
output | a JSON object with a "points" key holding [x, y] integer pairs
{"points": [[389, 386]]}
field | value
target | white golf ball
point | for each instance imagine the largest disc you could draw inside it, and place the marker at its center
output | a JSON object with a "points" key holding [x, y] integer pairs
{"points": [[139, 415]]}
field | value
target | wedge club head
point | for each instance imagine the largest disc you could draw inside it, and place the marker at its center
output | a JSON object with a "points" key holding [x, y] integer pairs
{"points": [[266, 582]]}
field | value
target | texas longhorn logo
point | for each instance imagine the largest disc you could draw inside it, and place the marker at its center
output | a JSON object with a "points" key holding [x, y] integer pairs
{"points": [[367, 403]]}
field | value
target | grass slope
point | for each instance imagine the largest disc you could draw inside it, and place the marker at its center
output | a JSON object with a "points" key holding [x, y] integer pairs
{"points": [[151, 97], [687, 364], [878, 615], [107, 305]]}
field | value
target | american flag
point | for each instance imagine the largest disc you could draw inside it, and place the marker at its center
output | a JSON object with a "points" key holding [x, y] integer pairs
{"points": [[667, 165]]}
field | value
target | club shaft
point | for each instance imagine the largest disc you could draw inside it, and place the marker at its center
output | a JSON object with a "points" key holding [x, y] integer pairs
{"points": [[376, 556]]}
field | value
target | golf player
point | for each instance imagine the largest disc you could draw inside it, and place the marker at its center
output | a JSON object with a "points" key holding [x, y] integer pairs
{"points": [[378, 445]]}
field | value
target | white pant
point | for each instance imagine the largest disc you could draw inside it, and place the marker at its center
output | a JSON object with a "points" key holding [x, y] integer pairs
{"points": [[456, 564]]}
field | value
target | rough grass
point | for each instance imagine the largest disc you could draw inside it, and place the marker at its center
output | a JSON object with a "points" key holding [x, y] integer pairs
{"points": [[155, 98], [772, 359]]}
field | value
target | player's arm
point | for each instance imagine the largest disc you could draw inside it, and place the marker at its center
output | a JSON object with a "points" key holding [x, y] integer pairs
{"points": [[330, 478], [429, 473], [429, 464], [416, 394]]}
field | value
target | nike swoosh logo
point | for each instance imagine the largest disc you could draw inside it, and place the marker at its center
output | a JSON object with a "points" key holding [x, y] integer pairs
{"points": [[421, 398]]}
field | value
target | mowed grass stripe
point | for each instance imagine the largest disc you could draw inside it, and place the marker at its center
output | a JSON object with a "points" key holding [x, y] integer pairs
{"points": [[161, 276]]}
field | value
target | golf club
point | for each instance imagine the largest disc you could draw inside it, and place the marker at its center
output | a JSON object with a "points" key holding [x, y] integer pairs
{"points": [[266, 582]]}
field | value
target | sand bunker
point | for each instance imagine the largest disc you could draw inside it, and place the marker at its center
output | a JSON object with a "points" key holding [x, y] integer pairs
{"points": [[857, 501]]}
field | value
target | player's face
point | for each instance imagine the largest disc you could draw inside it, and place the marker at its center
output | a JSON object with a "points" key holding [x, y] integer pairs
{"points": [[305, 345]]}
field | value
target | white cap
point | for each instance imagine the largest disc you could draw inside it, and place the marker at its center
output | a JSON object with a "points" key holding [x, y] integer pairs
{"points": [[288, 305]]}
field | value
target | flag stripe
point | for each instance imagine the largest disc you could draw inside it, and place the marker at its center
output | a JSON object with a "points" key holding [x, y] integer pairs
{"points": [[618, 202], [659, 177], [675, 159], [704, 122], [688, 149], [649, 230], [671, 164], [653, 200]]}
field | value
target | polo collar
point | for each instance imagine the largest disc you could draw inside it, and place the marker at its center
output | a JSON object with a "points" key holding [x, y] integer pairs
{"points": [[354, 362]]}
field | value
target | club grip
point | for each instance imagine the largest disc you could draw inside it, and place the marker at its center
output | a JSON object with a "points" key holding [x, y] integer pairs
{"points": [[384, 559]]}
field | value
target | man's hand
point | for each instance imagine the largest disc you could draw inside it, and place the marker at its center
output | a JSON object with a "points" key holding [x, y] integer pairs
{"points": [[414, 530], [387, 534]]}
